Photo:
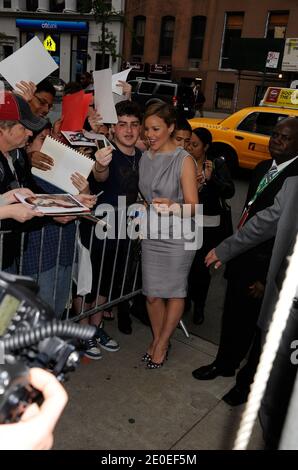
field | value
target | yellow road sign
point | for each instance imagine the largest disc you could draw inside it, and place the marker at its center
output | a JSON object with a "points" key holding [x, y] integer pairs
{"points": [[49, 44]]}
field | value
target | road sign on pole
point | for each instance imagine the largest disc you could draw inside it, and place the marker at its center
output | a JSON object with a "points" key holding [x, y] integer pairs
{"points": [[49, 44]]}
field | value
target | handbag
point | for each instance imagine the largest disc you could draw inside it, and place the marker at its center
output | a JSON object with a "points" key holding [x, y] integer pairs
{"points": [[226, 223]]}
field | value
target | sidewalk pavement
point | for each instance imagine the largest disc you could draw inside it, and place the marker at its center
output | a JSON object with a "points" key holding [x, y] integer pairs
{"points": [[117, 404]]}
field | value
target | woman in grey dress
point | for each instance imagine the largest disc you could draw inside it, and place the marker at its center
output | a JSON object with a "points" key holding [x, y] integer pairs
{"points": [[167, 181]]}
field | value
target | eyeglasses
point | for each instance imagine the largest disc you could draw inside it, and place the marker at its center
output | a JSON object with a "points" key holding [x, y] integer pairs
{"points": [[44, 102]]}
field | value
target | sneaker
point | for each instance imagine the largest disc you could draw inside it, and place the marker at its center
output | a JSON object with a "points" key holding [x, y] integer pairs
{"points": [[92, 350], [105, 341]]}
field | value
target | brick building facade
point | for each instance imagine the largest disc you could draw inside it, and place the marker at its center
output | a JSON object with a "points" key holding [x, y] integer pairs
{"points": [[193, 37]]}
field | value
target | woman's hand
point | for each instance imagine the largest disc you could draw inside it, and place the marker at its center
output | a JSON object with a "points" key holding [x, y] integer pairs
{"points": [[26, 90], [40, 160], [10, 198], [80, 182], [165, 206], [208, 169], [201, 179], [213, 258]]}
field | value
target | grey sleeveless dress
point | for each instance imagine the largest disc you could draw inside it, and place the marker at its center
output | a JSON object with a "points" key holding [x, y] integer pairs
{"points": [[165, 262]]}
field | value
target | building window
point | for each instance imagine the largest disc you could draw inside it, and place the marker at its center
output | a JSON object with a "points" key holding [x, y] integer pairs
{"points": [[57, 6], [139, 24], [80, 56], [233, 29], [224, 95], [196, 43], [277, 24], [31, 5], [7, 51], [167, 36], [30, 35], [6, 3]]}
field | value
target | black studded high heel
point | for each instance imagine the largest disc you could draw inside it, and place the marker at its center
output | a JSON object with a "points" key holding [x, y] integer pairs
{"points": [[157, 365], [154, 365], [146, 357]]}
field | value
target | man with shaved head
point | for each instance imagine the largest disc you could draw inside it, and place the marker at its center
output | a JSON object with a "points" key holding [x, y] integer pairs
{"points": [[247, 272]]}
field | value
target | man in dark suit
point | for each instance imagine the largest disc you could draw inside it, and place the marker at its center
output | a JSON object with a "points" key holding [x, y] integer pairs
{"points": [[247, 272], [279, 220]]}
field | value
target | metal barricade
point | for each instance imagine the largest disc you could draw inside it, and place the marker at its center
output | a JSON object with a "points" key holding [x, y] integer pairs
{"points": [[41, 254], [18, 264]]}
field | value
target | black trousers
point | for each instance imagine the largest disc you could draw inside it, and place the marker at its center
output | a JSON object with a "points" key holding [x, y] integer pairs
{"points": [[240, 315], [245, 375]]}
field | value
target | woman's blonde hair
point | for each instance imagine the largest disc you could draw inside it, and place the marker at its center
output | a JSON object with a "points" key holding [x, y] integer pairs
{"points": [[162, 110]]}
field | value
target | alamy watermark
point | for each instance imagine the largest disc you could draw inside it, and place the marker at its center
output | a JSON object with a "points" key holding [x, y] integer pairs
{"points": [[2, 352], [157, 223], [294, 355]]}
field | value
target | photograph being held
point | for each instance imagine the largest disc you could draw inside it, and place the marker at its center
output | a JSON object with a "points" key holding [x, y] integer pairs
{"points": [[52, 201], [10, 208]]}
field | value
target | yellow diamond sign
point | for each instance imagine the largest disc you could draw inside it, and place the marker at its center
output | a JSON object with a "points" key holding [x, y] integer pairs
{"points": [[49, 44]]}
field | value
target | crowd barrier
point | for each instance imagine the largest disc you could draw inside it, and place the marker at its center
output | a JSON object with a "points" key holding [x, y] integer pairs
{"points": [[13, 260]]}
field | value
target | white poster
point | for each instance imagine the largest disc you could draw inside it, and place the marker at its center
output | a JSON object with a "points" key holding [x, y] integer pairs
{"points": [[30, 63], [103, 96], [272, 60]]}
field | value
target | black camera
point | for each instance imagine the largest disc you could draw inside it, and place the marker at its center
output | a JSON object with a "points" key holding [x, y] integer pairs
{"points": [[30, 336]]}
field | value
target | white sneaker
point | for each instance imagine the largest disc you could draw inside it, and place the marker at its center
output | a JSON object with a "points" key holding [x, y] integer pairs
{"points": [[92, 350], [105, 341]]}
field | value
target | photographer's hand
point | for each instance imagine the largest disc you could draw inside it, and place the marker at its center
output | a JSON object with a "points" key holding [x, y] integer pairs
{"points": [[35, 430]]}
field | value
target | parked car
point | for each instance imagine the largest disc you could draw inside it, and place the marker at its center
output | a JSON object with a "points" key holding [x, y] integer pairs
{"points": [[58, 84], [179, 95], [243, 137]]}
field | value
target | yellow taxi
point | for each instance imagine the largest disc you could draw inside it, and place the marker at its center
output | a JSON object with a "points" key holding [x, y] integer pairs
{"points": [[243, 137]]}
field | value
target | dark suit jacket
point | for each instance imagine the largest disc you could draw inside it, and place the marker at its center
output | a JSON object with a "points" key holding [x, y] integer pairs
{"points": [[279, 220], [254, 263]]}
